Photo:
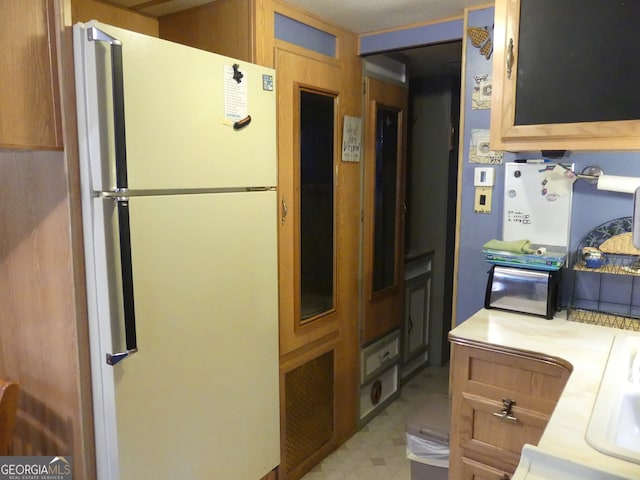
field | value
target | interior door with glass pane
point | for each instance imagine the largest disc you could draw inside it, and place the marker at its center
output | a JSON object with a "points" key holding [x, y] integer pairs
{"points": [[308, 158], [384, 208]]}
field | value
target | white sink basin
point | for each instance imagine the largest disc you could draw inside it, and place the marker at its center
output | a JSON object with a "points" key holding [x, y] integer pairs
{"points": [[538, 465], [626, 433], [614, 427]]}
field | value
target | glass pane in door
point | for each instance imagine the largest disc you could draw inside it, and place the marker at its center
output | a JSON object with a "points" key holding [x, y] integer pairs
{"points": [[385, 198], [316, 204]]}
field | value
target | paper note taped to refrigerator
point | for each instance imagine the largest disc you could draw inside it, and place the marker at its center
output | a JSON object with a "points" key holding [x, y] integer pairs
{"points": [[235, 94]]}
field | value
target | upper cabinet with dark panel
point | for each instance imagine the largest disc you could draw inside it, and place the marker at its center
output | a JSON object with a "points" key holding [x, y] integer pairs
{"points": [[29, 97], [566, 75]]}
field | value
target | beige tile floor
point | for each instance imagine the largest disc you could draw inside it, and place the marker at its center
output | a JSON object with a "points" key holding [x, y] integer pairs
{"points": [[378, 450]]}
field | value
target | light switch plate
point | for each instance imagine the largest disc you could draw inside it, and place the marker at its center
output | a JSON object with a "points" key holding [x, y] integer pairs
{"points": [[483, 176], [482, 200]]}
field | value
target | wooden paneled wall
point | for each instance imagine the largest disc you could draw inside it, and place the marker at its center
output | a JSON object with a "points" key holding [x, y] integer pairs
{"points": [[38, 328], [30, 115]]}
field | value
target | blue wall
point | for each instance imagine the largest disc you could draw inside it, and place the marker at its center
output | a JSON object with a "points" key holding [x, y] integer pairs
{"points": [[590, 207], [475, 228], [411, 37], [304, 35]]}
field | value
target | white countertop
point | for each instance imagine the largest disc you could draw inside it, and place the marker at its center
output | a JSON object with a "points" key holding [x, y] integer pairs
{"points": [[586, 348]]}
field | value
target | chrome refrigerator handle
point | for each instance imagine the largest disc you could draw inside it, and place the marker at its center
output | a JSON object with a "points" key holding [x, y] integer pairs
{"points": [[124, 225], [117, 82]]}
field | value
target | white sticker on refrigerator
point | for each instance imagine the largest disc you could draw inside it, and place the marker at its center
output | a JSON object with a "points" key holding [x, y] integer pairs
{"points": [[235, 93]]}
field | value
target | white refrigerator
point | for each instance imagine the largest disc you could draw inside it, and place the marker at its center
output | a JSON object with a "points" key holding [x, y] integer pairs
{"points": [[178, 173]]}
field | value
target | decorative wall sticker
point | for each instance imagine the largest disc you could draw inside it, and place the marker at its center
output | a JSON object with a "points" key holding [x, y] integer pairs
{"points": [[481, 38], [479, 150], [481, 94]]}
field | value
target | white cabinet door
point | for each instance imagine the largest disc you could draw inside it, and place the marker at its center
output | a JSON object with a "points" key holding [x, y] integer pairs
{"points": [[416, 315]]}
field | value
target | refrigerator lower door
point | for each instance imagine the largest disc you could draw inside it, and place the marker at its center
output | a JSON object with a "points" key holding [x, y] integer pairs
{"points": [[199, 400]]}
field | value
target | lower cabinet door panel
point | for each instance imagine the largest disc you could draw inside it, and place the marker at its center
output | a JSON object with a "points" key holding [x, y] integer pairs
{"points": [[486, 432]]}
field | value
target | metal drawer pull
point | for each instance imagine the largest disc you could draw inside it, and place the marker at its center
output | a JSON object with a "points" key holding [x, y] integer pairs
{"points": [[506, 414], [385, 356]]}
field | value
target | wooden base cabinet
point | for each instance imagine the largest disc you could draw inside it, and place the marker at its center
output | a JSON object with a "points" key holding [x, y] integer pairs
{"points": [[501, 400]]}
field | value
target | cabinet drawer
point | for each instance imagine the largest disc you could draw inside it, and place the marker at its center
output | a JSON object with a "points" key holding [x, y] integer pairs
{"points": [[472, 470], [376, 393], [378, 356], [532, 383]]}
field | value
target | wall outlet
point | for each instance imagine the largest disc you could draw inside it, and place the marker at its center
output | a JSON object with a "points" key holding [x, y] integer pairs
{"points": [[482, 201]]}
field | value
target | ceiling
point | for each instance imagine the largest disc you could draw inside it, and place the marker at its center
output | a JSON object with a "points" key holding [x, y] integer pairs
{"points": [[358, 16]]}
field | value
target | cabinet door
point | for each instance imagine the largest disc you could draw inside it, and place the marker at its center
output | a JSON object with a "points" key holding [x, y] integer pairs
{"points": [[383, 226], [555, 84], [483, 428], [308, 158], [29, 86], [416, 316], [485, 433], [219, 27], [311, 310]]}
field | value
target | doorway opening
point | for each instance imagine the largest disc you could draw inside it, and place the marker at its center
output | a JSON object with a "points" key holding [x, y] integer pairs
{"points": [[433, 75]]}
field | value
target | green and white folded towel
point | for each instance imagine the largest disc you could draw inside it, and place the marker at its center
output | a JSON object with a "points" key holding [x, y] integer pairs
{"points": [[514, 246]]}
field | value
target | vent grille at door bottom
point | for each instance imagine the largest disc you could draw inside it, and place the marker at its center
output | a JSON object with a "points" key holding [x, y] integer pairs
{"points": [[309, 409]]}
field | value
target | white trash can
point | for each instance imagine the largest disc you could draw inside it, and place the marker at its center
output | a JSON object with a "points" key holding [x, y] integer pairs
{"points": [[428, 439]]}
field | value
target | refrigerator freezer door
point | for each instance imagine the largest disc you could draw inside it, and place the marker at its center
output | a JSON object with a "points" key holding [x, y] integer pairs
{"points": [[199, 400], [175, 99]]}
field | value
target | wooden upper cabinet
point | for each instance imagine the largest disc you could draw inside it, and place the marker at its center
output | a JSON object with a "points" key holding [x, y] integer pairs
{"points": [[86, 10], [565, 75], [224, 27], [29, 95]]}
